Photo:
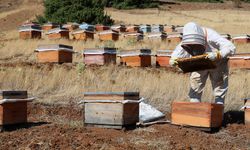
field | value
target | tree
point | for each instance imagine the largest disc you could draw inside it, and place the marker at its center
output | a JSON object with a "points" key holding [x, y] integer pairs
{"points": [[89, 11]]}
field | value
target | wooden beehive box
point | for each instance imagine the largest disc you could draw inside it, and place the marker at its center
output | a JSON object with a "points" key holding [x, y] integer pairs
{"points": [[119, 28], [240, 60], [136, 58], [132, 28], [174, 37], [86, 26], [108, 35], [82, 35], [157, 36], [58, 33], [54, 53], [49, 26], [168, 28], [163, 57], [134, 35], [247, 111], [226, 36], [195, 63], [145, 28], [100, 27], [30, 32], [204, 115], [111, 109], [13, 107], [99, 56], [241, 39], [71, 26], [157, 28]]}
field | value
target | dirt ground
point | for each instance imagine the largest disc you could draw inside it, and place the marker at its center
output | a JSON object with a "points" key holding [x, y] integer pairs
{"points": [[61, 127]]}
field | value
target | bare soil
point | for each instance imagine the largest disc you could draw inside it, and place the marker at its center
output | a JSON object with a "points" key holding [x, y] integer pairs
{"points": [[61, 127]]}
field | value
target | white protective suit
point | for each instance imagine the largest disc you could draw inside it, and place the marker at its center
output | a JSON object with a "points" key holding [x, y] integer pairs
{"points": [[193, 33]]}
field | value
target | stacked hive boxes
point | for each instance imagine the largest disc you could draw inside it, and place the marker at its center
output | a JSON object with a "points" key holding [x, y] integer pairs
{"points": [[204, 115], [56, 53], [99, 56], [136, 57], [111, 109]]}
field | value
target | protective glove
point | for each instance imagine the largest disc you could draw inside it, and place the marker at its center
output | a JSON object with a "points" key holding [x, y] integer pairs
{"points": [[173, 62], [213, 56]]}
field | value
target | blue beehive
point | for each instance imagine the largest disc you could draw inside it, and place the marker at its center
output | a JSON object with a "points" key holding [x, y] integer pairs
{"points": [[145, 28], [86, 26]]}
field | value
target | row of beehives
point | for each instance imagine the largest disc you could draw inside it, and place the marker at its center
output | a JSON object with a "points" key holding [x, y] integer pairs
{"points": [[167, 33], [58, 53], [119, 110]]}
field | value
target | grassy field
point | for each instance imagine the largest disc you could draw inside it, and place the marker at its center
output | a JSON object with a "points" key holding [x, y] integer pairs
{"points": [[66, 83]]}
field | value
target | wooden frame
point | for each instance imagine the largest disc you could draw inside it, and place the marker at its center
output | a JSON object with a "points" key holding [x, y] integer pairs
{"points": [[205, 115]]}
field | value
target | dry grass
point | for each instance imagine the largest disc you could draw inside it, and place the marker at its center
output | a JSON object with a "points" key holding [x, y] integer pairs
{"points": [[64, 83]]}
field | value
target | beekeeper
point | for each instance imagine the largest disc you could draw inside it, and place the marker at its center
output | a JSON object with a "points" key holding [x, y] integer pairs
{"points": [[198, 40]]}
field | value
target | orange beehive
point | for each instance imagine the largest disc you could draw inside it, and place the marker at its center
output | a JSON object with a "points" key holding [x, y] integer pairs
{"points": [[13, 107], [240, 60], [58, 33], [205, 115], [108, 35], [157, 36], [99, 56], [71, 26], [30, 32], [132, 28], [168, 28], [49, 26], [242, 39], [136, 58], [100, 27], [134, 35], [119, 28], [247, 111], [163, 57], [54, 53], [83, 35], [174, 37]]}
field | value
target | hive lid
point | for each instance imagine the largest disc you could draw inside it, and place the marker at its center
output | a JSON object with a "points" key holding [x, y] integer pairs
{"points": [[157, 34], [244, 36], [57, 30], [54, 47], [30, 28], [5, 94], [174, 35], [118, 26], [164, 52], [133, 34], [112, 93], [104, 50], [195, 63], [135, 52], [108, 32], [111, 96], [77, 31]]}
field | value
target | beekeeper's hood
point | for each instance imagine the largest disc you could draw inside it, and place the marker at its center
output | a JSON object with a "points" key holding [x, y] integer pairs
{"points": [[193, 34]]}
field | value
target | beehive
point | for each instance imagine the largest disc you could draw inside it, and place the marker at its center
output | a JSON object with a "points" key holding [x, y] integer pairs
{"points": [[157, 28], [100, 27], [58, 33], [157, 36], [240, 60], [241, 39], [226, 36], [178, 29], [111, 109], [145, 28], [71, 26], [163, 57], [132, 28], [99, 56], [134, 35], [205, 115], [136, 57], [54, 53], [82, 34], [85, 26], [30, 32], [108, 35], [119, 28], [168, 28], [174, 37], [13, 107], [247, 111], [49, 26]]}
